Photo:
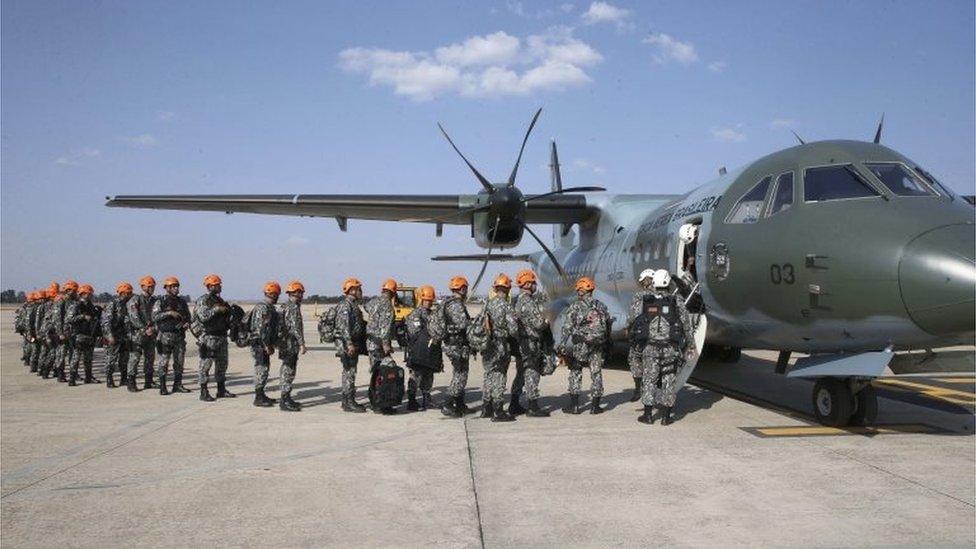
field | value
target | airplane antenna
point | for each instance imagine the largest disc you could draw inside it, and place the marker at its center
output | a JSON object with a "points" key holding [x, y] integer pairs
{"points": [[798, 138], [877, 134]]}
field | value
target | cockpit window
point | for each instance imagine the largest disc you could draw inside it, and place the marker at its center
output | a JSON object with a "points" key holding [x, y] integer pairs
{"points": [[749, 207], [783, 195], [899, 179], [935, 182], [834, 183]]}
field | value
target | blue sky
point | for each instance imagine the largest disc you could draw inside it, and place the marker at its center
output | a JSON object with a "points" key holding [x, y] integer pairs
{"points": [[104, 98]]}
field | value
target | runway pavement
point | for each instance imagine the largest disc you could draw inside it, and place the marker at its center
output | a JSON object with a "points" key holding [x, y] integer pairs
{"points": [[743, 466]]}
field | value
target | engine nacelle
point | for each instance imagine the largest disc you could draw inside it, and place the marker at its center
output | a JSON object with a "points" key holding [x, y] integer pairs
{"points": [[507, 235]]}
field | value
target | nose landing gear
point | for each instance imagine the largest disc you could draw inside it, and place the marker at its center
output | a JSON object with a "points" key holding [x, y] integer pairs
{"points": [[839, 402]]}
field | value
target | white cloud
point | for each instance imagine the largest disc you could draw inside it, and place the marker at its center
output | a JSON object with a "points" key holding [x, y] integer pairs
{"points": [[586, 165], [493, 65], [143, 141], [718, 66], [566, 7], [602, 12], [75, 157], [729, 134], [670, 49], [165, 116], [780, 123], [515, 7]]}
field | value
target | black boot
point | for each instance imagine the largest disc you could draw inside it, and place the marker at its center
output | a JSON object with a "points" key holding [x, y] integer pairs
{"points": [[262, 401], [124, 380], [449, 409], [500, 414], [514, 407], [222, 391], [89, 378], [205, 394], [131, 384], [109, 382], [574, 407], [147, 383], [412, 402], [162, 386], [425, 402], [61, 377], [666, 415], [648, 415], [349, 404], [637, 389], [150, 376], [534, 410], [595, 406], [487, 410], [178, 384], [460, 406], [73, 380], [288, 405]]}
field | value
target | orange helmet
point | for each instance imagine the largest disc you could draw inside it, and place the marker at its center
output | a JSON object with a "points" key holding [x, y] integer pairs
{"points": [[170, 281], [295, 286], [351, 283], [86, 289], [502, 281], [70, 285], [390, 285], [30, 297], [585, 283], [211, 280], [458, 282], [272, 287], [147, 281], [426, 293], [524, 277], [123, 288], [54, 288]]}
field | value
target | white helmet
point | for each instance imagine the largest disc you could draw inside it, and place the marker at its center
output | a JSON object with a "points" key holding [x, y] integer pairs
{"points": [[646, 276], [688, 232], [662, 279]]}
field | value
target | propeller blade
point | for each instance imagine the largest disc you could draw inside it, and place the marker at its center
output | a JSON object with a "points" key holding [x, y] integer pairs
{"points": [[545, 248], [484, 182], [877, 134], [798, 138], [484, 265], [566, 190], [511, 178]]}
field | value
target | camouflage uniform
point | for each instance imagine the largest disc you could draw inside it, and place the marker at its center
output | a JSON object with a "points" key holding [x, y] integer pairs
{"points": [[455, 343], [379, 329], [44, 345], [636, 351], [497, 354], [81, 319], [661, 362], [113, 328], [350, 329], [213, 342], [265, 320], [60, 352], [531, 325], [20, 326], [171, 335], [584, 330], [142, 346], [33, 334], [292, 341], [422, 378]]}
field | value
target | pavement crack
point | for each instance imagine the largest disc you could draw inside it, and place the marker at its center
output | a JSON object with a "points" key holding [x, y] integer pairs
{"points": [[474, 485]]}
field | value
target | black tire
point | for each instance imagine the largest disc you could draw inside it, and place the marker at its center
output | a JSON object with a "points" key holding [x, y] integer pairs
{"points": [[865, 407], [833, 402]]}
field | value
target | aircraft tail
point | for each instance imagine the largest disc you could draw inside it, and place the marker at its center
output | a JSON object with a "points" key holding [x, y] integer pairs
{"points": [[562, 236]]}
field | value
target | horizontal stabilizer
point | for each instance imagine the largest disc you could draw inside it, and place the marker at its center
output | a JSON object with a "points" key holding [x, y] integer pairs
{"points": [[482, 257]]}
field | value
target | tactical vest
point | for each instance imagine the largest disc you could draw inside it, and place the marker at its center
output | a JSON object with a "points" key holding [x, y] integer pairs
{"points": [[218, 324], [169, 323], [659, 322]]}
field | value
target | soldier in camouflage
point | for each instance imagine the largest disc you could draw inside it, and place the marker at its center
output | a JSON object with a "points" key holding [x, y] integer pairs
{"points": [[350, 338], [116, 339], [421, 375], [635, 351], [585, 331], [30, 324], [81, 318], [142, 334], [20, 326], [264, 328], [213, 315], [450, 327], [379, 329], [171, 316], [497, 354], [45, 355], [56, 325], [292, 343], [532, 327], [662, 356]]}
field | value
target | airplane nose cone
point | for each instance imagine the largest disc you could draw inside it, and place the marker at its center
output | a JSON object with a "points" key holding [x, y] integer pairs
{"points": [[937, 275]]}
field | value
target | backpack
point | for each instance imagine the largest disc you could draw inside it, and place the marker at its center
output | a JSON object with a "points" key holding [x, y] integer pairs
{"points": [[327, 325], [437, 322], [240, 331], [386, 385], [424, 356], [478, 333], [659, 322]]}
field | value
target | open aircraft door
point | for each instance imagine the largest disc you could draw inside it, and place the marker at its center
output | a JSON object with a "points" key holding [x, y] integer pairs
{"points": [[686, 257]]}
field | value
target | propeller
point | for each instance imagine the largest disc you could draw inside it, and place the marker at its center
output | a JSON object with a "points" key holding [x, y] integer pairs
{"points": [[484, 264], [877, 134]]}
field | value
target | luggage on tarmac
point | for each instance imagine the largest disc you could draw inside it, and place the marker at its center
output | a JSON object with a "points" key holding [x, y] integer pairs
{"points": [[386, 385]]}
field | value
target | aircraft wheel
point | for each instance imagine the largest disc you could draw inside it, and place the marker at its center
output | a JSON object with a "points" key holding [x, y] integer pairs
{"points": [[833, 402], [866, 407]]}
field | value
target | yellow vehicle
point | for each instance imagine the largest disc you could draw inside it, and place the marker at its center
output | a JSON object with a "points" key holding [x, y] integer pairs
{"points": [[406, 300]]}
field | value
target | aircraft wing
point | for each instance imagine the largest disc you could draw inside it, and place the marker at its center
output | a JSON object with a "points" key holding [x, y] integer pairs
{"points": [[446, 209]]}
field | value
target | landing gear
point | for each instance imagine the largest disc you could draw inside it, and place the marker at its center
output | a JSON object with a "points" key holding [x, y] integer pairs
{"points": [[838, 402], [727, 355]]}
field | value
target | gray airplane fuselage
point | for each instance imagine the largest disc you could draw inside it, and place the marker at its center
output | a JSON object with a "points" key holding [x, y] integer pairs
{"points": [[825, 273]]}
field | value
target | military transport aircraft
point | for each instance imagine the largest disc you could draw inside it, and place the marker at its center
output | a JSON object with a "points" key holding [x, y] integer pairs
{"points": [[846, 250]]}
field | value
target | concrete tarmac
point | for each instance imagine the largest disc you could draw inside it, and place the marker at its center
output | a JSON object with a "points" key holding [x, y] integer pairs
{"points": [[88, 466]]}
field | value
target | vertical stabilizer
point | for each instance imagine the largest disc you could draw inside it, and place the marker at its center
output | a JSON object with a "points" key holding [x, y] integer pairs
{"points": [[561, 234]]}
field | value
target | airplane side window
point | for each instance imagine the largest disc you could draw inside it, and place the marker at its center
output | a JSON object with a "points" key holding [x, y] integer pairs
{"points": [[834, 183], [748, 208], [783, 195], [898, 179]]}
